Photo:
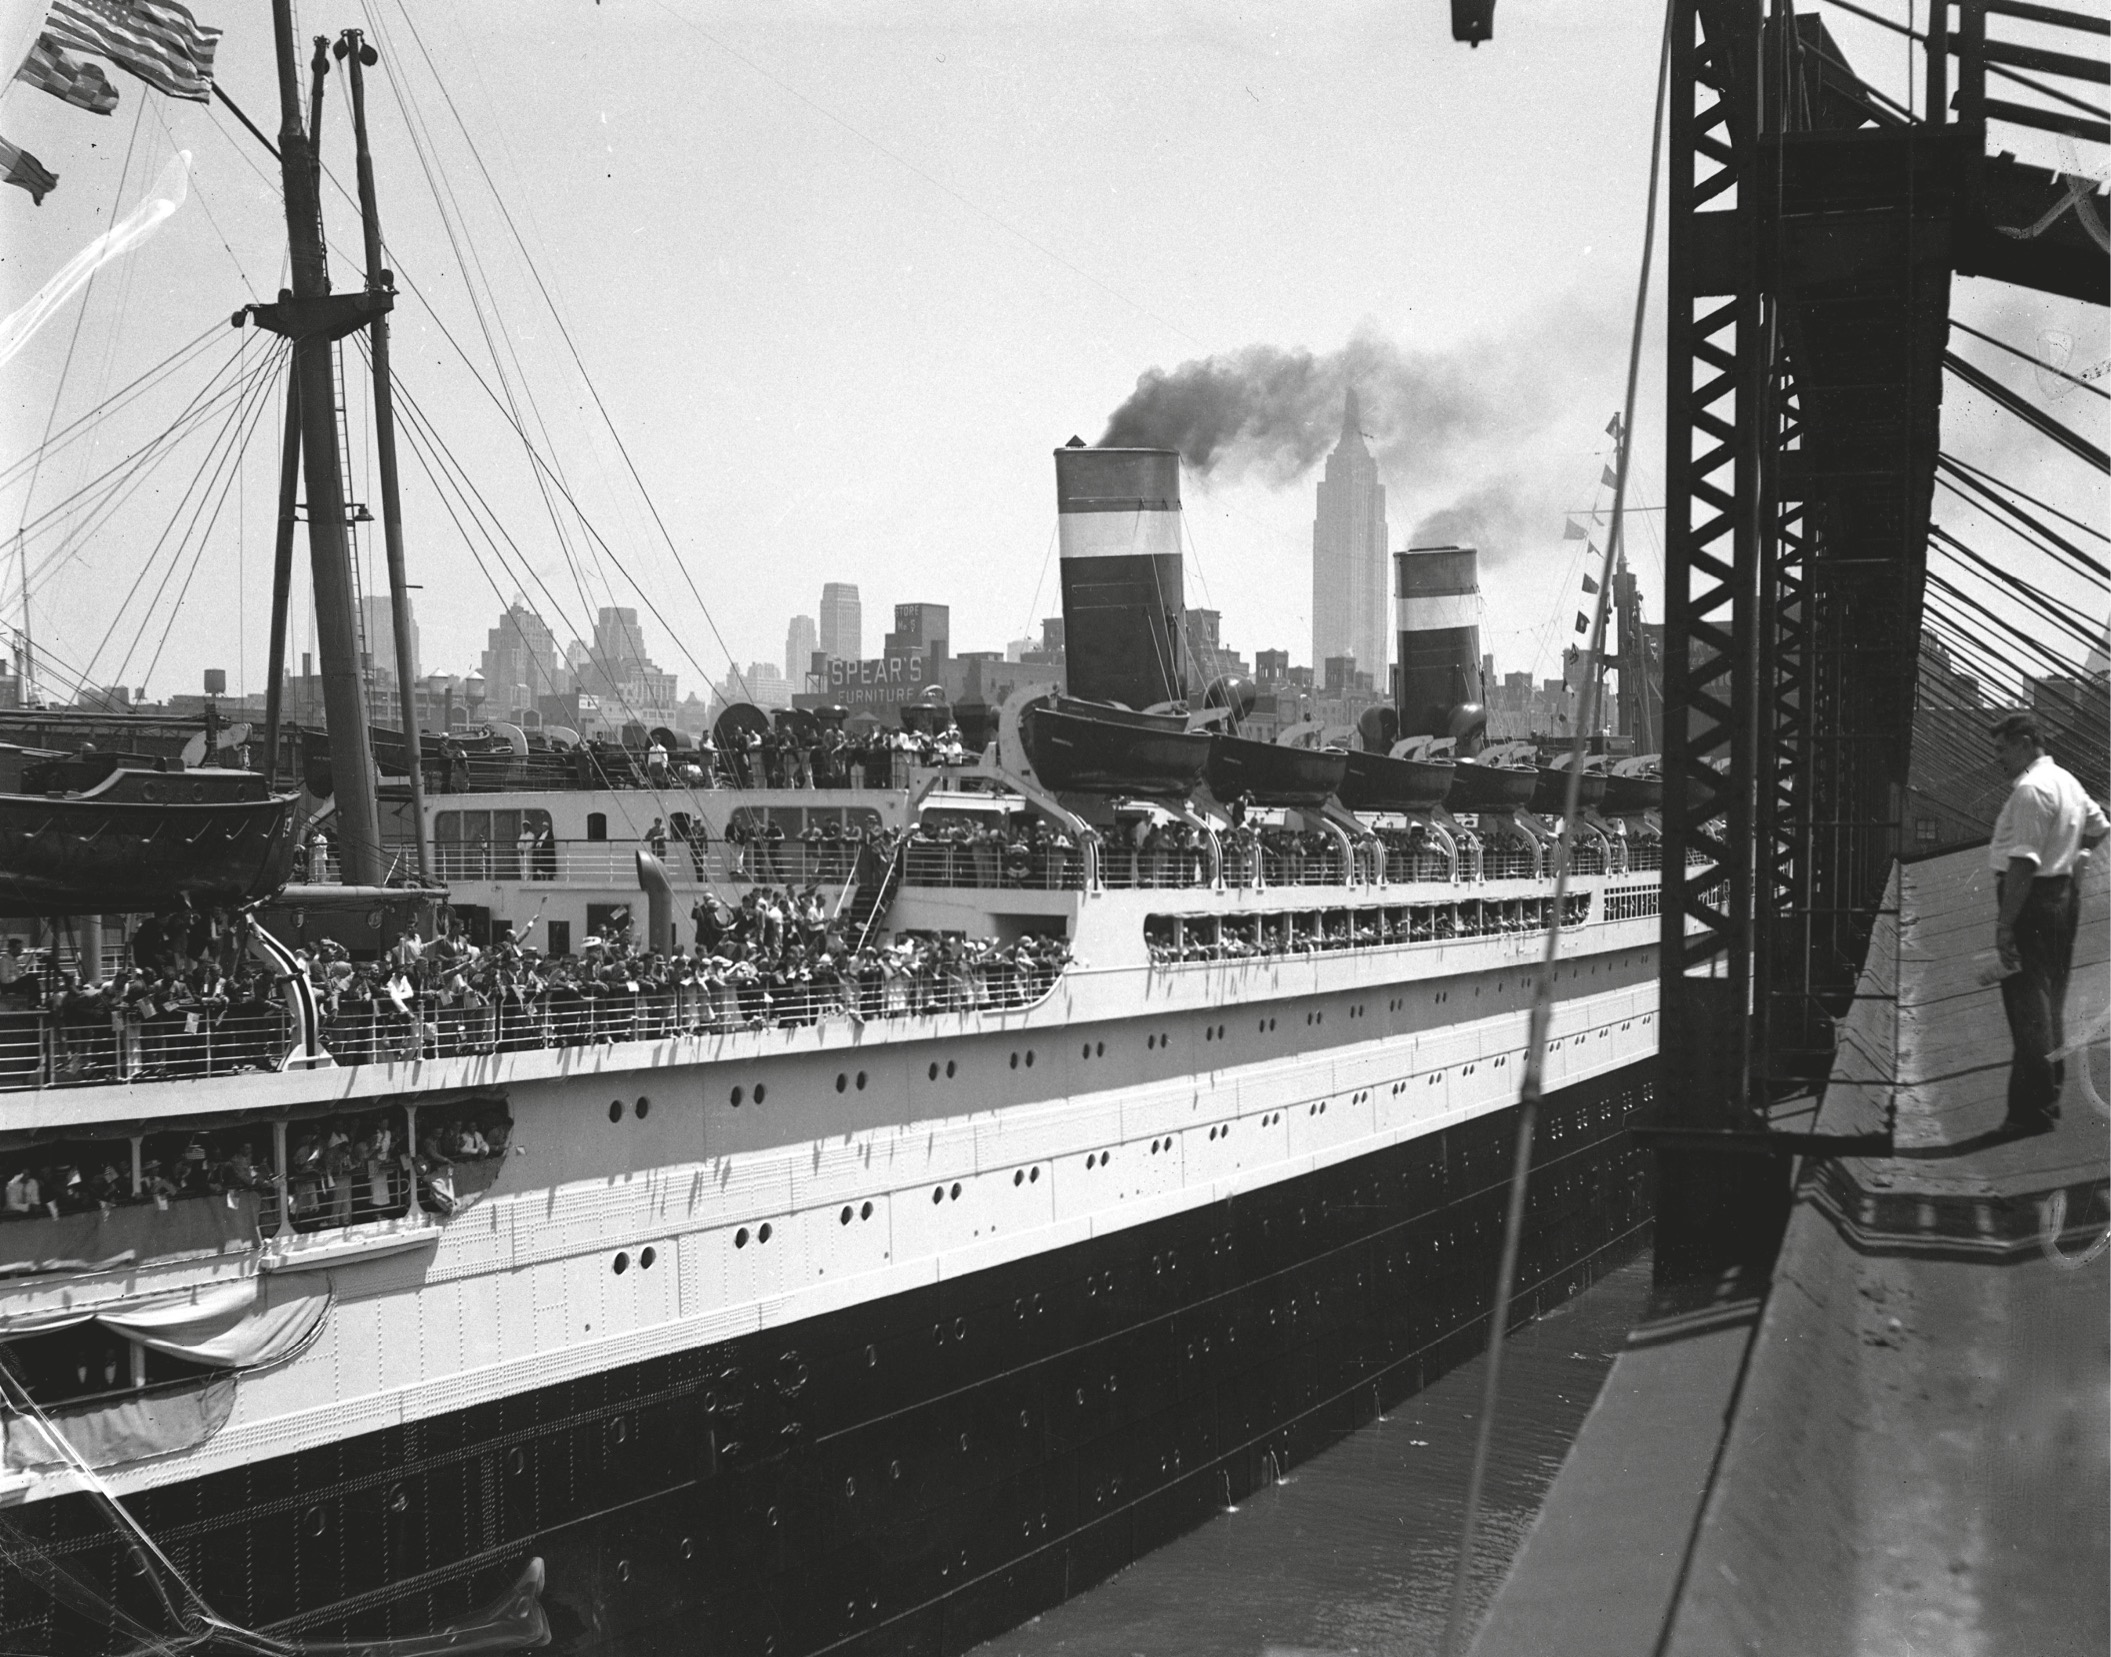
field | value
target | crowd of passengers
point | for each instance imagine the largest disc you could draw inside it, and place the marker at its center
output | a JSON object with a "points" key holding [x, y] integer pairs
{"points": [[830, 758], [339, 1170], [1244, 938], [191, 1004]]}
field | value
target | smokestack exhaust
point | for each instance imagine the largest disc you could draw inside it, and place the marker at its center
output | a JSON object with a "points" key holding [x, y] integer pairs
{"points": [[1438, 594], [1124, 612]]}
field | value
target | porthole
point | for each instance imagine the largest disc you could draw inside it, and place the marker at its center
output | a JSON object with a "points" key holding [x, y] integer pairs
{"points": [[688, 1548], [1032, 1175], [1085, 1052], [861, 1081], [846, 1214], [1029, 1058], [516, 1460], [934, 1070], [646, 1256], [938, 1193], [865, 1211], [619, 1429], [850, 1486], [736, 1098], [643, 1107], [759, 1091], [318, 1521], [1015, 1061], [622, 1264], [1018, 1176], [842, 1081], [615, 1110], [398, 1499], [956, 1190], [763, 1236], [1150, 1042], [740, 1238], [1099, 1050], [949, 1069], [872, 1357]]}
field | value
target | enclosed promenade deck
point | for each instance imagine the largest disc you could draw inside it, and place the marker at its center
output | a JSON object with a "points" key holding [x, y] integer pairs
{"points": [[1899, 1442]]}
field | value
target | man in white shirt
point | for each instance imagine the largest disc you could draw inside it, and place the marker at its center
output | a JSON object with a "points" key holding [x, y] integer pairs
{"points": [[2042, 840]]}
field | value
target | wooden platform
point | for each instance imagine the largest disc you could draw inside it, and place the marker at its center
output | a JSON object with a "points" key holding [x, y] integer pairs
{"points": [[1913, 1452]]}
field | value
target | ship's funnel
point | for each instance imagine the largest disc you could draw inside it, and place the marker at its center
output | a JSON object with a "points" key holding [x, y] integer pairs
{"points": [[1124, 629], [1438, 591]]}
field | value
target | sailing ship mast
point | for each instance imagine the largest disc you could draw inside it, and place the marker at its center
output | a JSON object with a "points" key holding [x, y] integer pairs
{"points": [[313, 318]]}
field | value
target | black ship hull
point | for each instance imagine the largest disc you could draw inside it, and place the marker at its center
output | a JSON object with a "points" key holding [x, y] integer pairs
{"points": [[1378, 782], [911, 1475], [1088, 748], [1271, 774]]}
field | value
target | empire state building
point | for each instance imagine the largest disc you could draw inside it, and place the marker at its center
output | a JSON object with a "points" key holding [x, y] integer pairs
{"points": [[1349, 596]]}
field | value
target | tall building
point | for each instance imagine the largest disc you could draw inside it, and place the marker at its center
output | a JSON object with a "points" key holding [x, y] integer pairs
{"points": [[1350, 600], [842, 622], [521, 662], [377, 628], [921, 629], [800, 643]]}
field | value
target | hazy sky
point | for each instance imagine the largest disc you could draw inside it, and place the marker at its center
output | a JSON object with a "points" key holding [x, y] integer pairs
{"points": [[842, 276]]}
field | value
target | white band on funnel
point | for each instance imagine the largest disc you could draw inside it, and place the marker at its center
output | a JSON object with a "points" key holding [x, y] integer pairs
{"points": [[1440, 612], [1119, 534]]}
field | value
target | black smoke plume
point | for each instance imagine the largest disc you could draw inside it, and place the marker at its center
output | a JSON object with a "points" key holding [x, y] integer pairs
{"points": [[1458, 421]]}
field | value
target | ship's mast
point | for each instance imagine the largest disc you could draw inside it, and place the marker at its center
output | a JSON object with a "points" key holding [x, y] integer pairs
{"points": [[312, 323], [357, 55]]}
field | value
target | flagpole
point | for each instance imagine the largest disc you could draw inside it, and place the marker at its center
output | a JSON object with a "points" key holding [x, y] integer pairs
{"points": [[357, 55]]}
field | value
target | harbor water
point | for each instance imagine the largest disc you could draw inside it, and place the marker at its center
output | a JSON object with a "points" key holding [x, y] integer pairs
{"points": [[1353, 1551]]}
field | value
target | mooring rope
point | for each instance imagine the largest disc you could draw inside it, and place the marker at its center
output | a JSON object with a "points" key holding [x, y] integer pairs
{"points": [[1543, 989]]}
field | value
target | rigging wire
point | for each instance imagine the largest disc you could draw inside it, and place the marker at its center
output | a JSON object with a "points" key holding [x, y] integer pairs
{"points": [[2093, 389], [1543, 987], [2036, 598]]}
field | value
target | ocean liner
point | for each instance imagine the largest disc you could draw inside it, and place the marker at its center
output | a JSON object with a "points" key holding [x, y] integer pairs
{"points": [[697, 1320]]}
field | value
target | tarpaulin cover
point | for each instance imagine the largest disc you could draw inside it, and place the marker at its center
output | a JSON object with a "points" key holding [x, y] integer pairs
{"points": [[239, 1325], [123, 1429], [189, 1228]]}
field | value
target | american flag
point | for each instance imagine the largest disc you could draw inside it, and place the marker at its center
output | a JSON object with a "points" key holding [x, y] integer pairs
{"points": [[83, 85], [157, 40]]}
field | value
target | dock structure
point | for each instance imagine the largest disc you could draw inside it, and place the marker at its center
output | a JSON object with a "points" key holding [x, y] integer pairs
{"points": [[1870, 1408], [1898, 1441]]}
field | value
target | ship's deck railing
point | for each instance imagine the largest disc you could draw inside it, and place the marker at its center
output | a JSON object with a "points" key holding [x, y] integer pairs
{"points": [[994, 864], [40, 1049], [613, 863]]}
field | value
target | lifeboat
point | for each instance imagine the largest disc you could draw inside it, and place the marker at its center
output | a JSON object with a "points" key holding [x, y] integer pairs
{"points": [[1378, 782], [1104, 748], [1480, 787], [1272, 774], [1628, 792], [1551, 795], [117, 834]]}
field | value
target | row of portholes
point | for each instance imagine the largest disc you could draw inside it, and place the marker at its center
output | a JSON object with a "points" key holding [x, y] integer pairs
{"points": [[843, 1081], [1213, 1032], [762, 1235], [1316, 1018], [1151, 1042], [1319, 1109], [739, 1096], [1221, 1131], [1265, 1025], [648, 1256], [1093, 1050], [643, 1107], [864, 1212], [938, 1192], [1025, 1176], [1029, 1059], [1097, 1159]]}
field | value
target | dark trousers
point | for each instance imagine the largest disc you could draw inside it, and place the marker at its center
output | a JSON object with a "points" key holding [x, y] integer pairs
{"points": [[2036, 997]]}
